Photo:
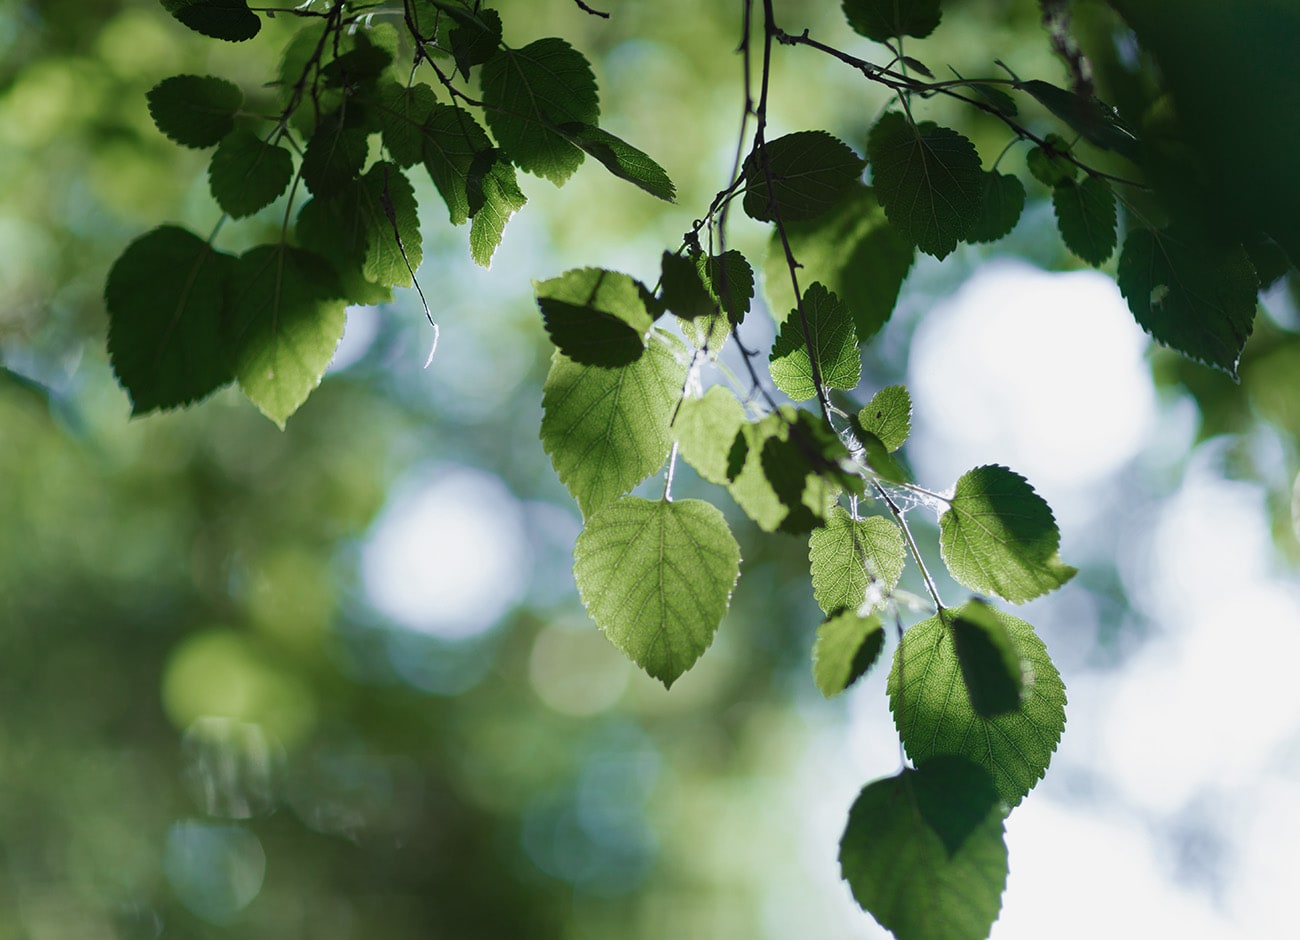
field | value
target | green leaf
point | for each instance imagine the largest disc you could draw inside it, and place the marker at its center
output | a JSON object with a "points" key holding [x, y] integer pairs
{"points": [[363, 63], [528, 93], [622, 159], [334, 156], [231, 20], [998, 536], [286, 319], [452, 139], [888, 416], [834, 347], [595, 317], [929, 180], [682, 287], [657, 579], [847, 645], [852, 558], [799, 176], [730, 280], [1004, 200], [1085, 214], [854, 251], [195, 110], [882, 20], [474, 39], [401, 113], [606, 430], [1190, 295], [924, 854], [879, 458], [988, 657], [1048, 163], [996, 98], [934, 715], [1097, 121], [494, 196], [705, 430], [247, 174], [164, 298]]}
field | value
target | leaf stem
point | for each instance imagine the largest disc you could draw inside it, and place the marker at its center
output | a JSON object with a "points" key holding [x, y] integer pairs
{"points": [[912, 548]]}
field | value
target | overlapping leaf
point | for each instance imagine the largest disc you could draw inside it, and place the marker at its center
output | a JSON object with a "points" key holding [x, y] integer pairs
{"points": [[682, 289], [831, 343], [706, 429], [334, 156], [164, 297], [622, 159], [247, 173], [730, 279], [1004, 200], [451, 140], [195, 110], [1091, 117], [231, 20], [988, 657], [848, 557], [1048, 162], [882, 20], [784, 470], [608, 429], [494, 196], [923, 852], [888, 416], [595, 317], [799, 176], [934, 715], [657, 578], [998, 536], [847, 645], [401, 113], [1085, 214]]}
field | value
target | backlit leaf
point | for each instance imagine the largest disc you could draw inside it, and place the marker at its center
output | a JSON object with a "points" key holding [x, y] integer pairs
{"points": [[1004, 200], [682, 289], [401, 113], [706, 428], [195, 110], [1085, 214], [888, 19], [1048, 162], [988, 657], [606, 430], [622, 159], [231, 20], [834, 347], [474, 39], [999, 537], [929, 180], [852, 558], [451, 140], [730, 280], [924, 854], [164, 297], [247, 173], [595, 317], [494, 196], [847, 645], [657, 579], [802, 463], [799, 176], [334, 156], [528, 93], [933, 712], [888, 416], [1192, 296]]}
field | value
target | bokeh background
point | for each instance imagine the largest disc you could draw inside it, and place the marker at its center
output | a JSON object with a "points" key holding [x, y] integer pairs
{"points": [[335, 682]]}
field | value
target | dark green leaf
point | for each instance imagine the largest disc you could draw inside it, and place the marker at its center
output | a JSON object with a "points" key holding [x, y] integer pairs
{"points": [[854, 561], [854, 251], [998, 536], [474, 39], [247, 174], [1004, 200], [879, 458], [706, 428], [847, 646], [286, 319], [364, 62], [988, 657], [528, 93], [934, 715], [1048, 163], [657, 579], [799, 176], [231, 20], [923, 852], [164, 297], [622, 159], [1085, 214], [888, 416], [595, 317], [402, 113], [1094, 119], [334, 156], [494, 196], [195, 110], [1197, 298], [803, 466], [998, 99], [882, 20], [834, 347], [682, 287], [452, 139], [606, 430], [731, 282], [929, 180]]}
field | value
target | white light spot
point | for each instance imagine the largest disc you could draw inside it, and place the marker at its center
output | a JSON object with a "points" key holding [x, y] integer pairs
{"points": [[448, 559]]}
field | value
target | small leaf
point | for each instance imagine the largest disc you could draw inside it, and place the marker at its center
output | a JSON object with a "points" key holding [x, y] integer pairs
{"points": [[1004, 200], [474, 39], [494, 196], [164, 298], [799, 176], [882, 20], [934, 715], [1085, 214], [854, 251], [847, 646], [230, 20], [247, 174], [682, 287], [852, 558], [606, 430], [730, 280], [657, 579], [402, 113], [1192, 296], [596, 317], [1091, 117], [928, 179], [1048, 163], [528, 93], [998, 536], [334, 156], [622, 159], [998, 99], [924, 854], [988, 657], [879, 458], [834, 347], [286, 320], [888, 416], [705, 429], [195, 110], [452, 139]]}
